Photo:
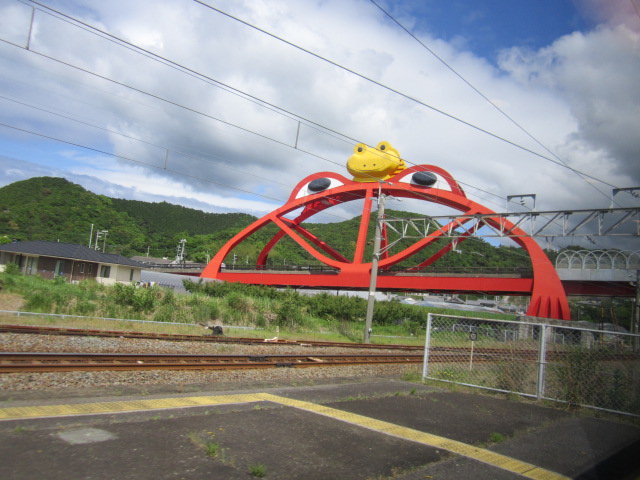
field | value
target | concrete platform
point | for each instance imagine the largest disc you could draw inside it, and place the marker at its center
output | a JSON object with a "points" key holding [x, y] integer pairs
{"points": [[351, 429]]}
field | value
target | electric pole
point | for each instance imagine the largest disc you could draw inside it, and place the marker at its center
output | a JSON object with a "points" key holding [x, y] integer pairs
{"points": [[635, 321], [374, 268]]}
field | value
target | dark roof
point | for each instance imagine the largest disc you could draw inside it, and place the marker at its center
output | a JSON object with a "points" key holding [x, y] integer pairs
{"points": [[71, 251]]}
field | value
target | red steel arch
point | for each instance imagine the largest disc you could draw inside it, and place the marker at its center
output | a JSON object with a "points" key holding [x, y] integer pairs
{"points": [[548, 297]]}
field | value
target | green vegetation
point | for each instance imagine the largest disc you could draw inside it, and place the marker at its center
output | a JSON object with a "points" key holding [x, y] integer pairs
{"points": [[269, 311], [257, 470], [65, 211], [212, 449]]}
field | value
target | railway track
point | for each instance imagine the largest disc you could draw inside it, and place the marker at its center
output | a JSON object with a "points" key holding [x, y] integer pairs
{"points": [[38, 330], [66, 362]]}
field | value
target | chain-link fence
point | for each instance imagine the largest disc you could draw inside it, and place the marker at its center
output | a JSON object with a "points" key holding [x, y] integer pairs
{"points": [[579, 366]]}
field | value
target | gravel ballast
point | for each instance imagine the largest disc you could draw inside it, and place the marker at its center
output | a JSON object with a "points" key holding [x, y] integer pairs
{"points": [[79, 380]]}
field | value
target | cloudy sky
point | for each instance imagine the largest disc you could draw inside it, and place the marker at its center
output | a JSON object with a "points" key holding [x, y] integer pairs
{"points": [[226, 105]]}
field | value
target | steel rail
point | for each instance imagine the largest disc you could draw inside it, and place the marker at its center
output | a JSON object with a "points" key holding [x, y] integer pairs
{"points": [[38, 330], [13, 362]]}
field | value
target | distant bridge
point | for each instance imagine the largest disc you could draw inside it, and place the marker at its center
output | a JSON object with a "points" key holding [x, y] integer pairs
{"points": [[598, 272], [582, 272]]}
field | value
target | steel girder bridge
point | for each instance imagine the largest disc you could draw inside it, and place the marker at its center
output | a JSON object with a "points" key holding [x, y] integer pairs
{"points": [[378, 173]]}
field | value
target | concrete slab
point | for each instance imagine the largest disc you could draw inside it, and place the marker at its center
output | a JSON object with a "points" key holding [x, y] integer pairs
{"points": [[370, 430]]}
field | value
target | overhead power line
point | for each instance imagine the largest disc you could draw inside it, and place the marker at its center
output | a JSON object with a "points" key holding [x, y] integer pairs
{"points": [[173, 103], [193, 73], [262, 102], [397, 92], [502, 112]]}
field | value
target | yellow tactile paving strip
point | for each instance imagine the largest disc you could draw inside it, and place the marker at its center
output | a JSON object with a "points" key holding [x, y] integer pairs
{"points": [[486, 456], [501, 461], [11, 413]]}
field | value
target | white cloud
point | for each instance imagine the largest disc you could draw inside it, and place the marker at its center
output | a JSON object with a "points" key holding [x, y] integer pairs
{"points": [[578, 96]]}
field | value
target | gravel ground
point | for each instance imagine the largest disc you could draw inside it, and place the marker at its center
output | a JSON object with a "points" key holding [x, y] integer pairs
{"points": [[79, 380]]}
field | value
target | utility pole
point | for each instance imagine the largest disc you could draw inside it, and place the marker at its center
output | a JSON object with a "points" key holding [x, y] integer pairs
{"points": [[180, 251], [101, 234], [374, 268], [635, 321]]}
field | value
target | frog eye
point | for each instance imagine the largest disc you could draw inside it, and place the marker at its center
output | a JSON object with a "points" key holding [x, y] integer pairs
{"points": [[360, 149], [383, 146], [318, 185]]}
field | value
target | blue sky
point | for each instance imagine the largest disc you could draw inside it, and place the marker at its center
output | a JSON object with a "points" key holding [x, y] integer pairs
{"points": [[565, 71], [489, 26]]}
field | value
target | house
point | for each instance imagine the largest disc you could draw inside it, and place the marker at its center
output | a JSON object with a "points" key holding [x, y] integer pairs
{"points": [[72, 261]]}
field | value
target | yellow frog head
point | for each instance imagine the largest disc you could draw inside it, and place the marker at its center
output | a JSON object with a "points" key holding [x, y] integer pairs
{"points": [[368, 164]]}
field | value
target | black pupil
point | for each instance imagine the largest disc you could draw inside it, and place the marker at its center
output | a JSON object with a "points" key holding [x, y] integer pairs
{"points": [[359, 149], [382, 147]]}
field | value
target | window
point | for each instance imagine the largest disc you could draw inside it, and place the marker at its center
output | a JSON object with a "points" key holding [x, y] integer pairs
{"points": [[90, 268], [131, 276], [82, 268], [32, 265], [105, 271], [59, 270]]}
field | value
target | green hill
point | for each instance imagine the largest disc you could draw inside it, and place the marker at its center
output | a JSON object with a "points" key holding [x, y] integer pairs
{"points": [[50, 208], [166, 219]]}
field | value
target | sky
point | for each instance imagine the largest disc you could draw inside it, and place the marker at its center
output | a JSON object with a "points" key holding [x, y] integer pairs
{"points": [[225, 106]]}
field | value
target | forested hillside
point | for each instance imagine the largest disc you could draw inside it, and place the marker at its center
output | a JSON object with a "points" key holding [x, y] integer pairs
{"points": [[47, 208], [166, 219], [54, 209]]}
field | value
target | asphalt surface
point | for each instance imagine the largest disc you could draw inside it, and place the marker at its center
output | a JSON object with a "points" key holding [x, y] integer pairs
{"points": [[375, 429]]}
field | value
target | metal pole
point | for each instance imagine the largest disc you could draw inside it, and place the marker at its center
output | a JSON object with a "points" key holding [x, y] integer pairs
{"points": [[427, 347], [635, 321], [374, 268], [542, 355]]}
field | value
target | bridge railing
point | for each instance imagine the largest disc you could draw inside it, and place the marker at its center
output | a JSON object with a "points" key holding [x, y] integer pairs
{"points": [[323, 269], [576, 365]]}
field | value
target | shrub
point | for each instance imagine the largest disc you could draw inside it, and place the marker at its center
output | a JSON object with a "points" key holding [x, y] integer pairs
{"points": [[84, 308], [511, 375], [12, 269], [579, 376], [39, 301], [164, 314], [240, 302], [288, 313]]}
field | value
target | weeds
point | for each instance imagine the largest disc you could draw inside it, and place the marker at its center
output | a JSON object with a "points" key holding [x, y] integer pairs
{"points": [[212, 449], [496, 437], [257, 470]]}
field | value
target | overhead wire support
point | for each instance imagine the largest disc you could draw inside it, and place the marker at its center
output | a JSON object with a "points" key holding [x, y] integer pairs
{"points": [[572, 222]]}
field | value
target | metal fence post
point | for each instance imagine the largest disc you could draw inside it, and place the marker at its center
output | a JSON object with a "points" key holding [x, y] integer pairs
{"points": [[542, 353], [427, 346]]}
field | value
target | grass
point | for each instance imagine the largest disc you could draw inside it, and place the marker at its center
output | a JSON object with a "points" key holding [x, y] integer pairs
{"points": [[212, 449], [203, 441], [269, 313], [496, 437], [257, 470]]}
